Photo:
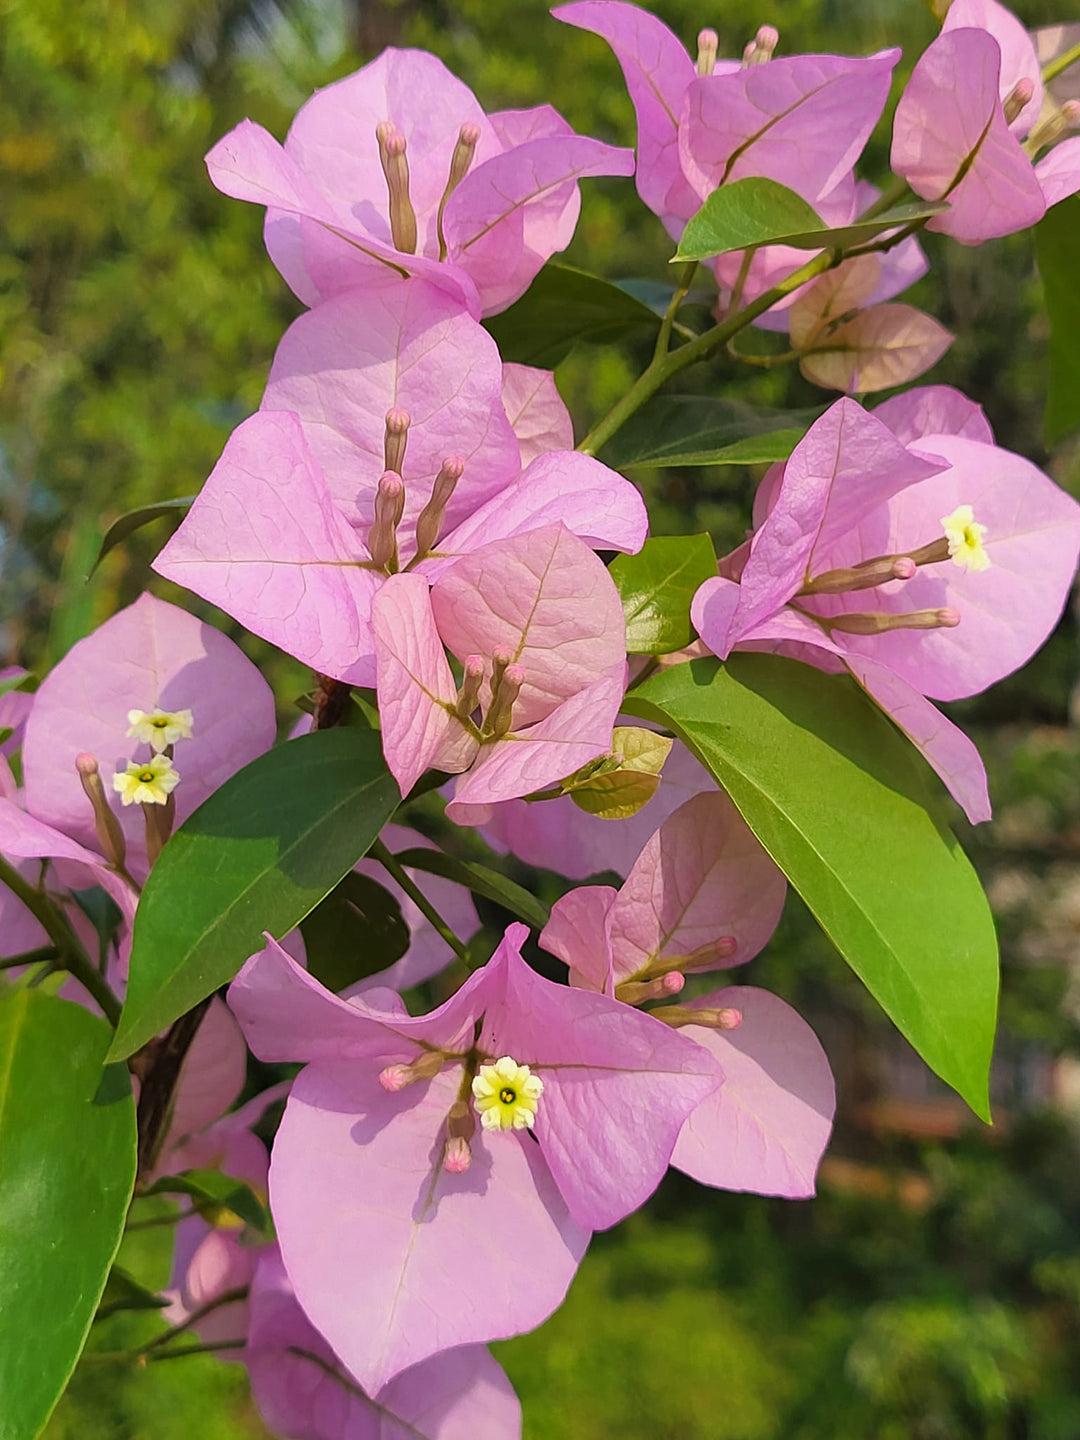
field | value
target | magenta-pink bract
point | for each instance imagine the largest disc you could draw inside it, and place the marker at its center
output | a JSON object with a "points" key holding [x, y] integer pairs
{"points": [[851, 492], [279, 535], [329, 226], [395, 1256], [703, 878], [547, 603], [304, 1392]]}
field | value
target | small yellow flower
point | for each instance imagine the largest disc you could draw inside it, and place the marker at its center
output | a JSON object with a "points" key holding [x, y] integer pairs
{"points": [[158, 728], [149, 783], [506, 1094], [965, 539]]}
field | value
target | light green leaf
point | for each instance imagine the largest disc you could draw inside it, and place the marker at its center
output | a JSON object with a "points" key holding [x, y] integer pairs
{"points": [[561, 307], [67, 1167], [843, 804], [698, 430], [759, 211], [258, 855], [1057, 251], [481, 880], [657, 586]]}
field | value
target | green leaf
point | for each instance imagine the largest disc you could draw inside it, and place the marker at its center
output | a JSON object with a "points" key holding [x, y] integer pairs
{"points": [[656, 587], [134, 520], [844, 805], [258, 855], [481, 881], [67, 1166], [1057, 251], [212, 1192], [355, 932], [759, 211], [698, 430], [22, 680], [561, 307], [123, 1292]]}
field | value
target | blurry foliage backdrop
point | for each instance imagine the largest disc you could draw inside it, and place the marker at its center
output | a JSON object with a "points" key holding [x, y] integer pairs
{"points": [[933, 1289]]}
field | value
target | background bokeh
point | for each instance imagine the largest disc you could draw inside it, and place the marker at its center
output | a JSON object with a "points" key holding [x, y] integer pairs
{"points": [[933, 1288]]}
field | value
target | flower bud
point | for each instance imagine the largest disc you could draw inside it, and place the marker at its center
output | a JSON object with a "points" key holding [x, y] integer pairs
{"points": [[395, 167], [469, 694], [430, 520], [395, 438], [636, 992], [457, 1156], [389, 508], [1019, 96], [424, 1067], [708, 47], [504, 691], [106, 826], [762, 47], [878, 622], [679, 1015]]}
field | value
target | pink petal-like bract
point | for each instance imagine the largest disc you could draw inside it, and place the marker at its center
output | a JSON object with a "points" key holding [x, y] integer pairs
{"points": [[766, 1127]]}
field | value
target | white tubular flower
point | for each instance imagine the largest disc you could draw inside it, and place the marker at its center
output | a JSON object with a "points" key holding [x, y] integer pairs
{"points": [[149, 783]]}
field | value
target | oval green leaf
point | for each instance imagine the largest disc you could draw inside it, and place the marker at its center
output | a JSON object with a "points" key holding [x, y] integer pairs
{"points": [[694, 430], [656, 587], [126, 525], [1057, 251], [67, 1167], [760, 211], [356, 931], [845, 807], [258, 855], [561, 307]]}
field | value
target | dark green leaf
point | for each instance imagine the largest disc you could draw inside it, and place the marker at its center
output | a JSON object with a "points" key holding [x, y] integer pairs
{"points": [[481, 881], [1057, 250], [258, 855], [123, 1292], [21, 680], [844, 805], [212, 1191], [699, 430], [657, 586], [759, 211], [67, 1166], [355, 932], [134, 520], [561, 307]]}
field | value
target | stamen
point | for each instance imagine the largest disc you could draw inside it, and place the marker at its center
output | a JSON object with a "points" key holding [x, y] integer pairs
{"points": [[636, 992], [505, 690], [395, 438], [469, 694], [1017, 98], [708, 47], [763, 46], [106, 826], [389, 508], [879, 622], [680, 1015], [395, 167], [396, 1077], [430, 520], [462, 158]]}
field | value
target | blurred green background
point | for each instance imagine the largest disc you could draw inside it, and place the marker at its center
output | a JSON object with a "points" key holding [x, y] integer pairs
{"points": [[933, 1288]]}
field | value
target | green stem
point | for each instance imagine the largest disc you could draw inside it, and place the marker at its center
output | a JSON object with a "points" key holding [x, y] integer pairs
{"points": [[662, 368], [682, 289], [890, 196], [380, 853], [70, 954], [1054, 69], [30, 957], [136, 1357], [227, 1297]]}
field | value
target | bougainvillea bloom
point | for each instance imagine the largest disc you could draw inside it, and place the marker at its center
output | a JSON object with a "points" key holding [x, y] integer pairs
{"points": [[384, 1184], [146, 782], [968, 126], [397, 170], [383, 446], [703, 894], [854, 560], [538, 625]]}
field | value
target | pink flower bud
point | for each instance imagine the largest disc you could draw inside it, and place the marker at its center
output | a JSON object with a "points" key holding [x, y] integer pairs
{"points": [[708, 47], [763, 46], [1019, 96], [395, 438], [457, 1155], [395, 167]]}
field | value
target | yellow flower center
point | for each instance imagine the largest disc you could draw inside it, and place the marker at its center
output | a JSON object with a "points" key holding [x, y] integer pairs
{"points": [[965, 537], [506, 1095]]}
